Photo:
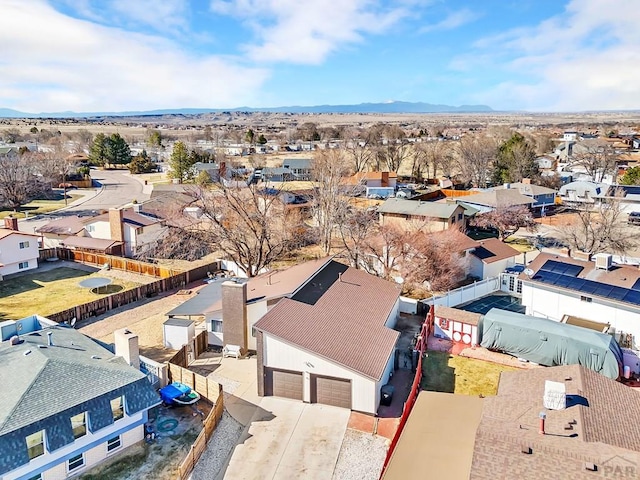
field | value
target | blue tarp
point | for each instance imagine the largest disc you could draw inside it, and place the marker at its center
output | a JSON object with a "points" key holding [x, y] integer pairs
{"points": [[174, 390]]}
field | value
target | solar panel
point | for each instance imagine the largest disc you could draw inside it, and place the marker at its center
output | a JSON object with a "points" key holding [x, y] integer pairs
{"points": [[636, 286], [618, 293], [573, 270], [632, 296], [561, 268]]}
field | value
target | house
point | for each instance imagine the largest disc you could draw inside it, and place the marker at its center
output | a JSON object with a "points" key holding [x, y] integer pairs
{"points": [[230, 307], [546, 163], [18, 250], [456, 325], [125, 231], [490, 258], [277, 174], [373, 184], [428, 216], [543, 196], [580, 193], [543, 424], [300, 168], [215, 170], [554, 286], [67, 402], [332, 342], [495, 199]]}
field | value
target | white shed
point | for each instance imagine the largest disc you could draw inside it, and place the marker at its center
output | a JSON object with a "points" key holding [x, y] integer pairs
{"points": [[178, 332]]}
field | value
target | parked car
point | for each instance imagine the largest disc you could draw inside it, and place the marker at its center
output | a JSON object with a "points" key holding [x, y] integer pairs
{"points": [[634, 218]]}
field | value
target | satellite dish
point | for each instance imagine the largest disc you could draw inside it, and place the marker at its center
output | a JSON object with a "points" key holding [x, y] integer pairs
{"points": [[528, 272], [73, 322]]}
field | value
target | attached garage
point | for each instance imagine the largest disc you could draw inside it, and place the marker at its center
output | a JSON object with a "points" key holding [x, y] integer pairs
{"points": [[331, 391], [283, 383]]}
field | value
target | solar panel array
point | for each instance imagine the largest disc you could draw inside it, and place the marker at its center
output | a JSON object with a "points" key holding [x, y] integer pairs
{"points": [[565, 275]]}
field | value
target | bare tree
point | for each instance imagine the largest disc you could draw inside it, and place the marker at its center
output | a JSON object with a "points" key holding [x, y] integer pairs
{"points": [[506, 220], [328, 168], [599, 228], [476, 155], [356, 227], [248, 225], [393, 148], [19, 180], [598, 158], [359, 149]]}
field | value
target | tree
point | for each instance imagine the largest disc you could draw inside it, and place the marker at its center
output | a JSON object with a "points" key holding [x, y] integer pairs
{"points": [[598, 158], [475, 158], [506, 220], [142, 163], [250, 136], [328, 168], [117, 150], [356, 227], [208, 133], [154, 138], [19, 182], [262, 140], [631, 176], [34, 130], [358, 147], [247, 225], [515, 160], [12, 135], [181, 163], [393, 148], [599, 229], [98, 150]]}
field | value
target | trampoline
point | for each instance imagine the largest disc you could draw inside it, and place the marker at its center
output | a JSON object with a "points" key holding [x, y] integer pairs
{"points": [[95, 283], [484, 304]]}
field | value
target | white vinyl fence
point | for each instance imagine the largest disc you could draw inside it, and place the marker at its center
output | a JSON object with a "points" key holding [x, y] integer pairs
{"points": [[465, 294]]}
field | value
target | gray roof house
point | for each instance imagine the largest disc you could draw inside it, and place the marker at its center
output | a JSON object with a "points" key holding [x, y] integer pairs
{"points": [[300, 167], [429, 216], [502, 198], [66, 402]]}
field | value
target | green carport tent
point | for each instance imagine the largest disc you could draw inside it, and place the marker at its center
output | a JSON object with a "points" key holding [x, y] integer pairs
{"points": [[550, 343]]}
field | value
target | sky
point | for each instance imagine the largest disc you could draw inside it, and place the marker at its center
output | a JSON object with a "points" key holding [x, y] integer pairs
{"points": [[124, 55]]}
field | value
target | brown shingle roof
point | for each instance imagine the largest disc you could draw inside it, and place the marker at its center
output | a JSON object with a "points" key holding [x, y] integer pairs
{"points": [[599, 411], [64, 226], [5, 232], [88, 242], [492, 249], [344, 323]]}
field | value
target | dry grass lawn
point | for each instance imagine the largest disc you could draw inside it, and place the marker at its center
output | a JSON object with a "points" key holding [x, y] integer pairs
{"points": [[47, 292], [448, 373], [39, 207]]}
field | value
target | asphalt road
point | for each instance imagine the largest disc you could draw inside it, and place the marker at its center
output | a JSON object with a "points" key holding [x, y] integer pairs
{"points": [[115, 188]]}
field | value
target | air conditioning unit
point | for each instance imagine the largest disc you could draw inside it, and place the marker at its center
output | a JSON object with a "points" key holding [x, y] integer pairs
{"points": [[604, 261]]}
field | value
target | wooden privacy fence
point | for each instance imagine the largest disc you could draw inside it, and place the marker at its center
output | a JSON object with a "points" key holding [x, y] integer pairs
{"points": [[104, 304], [200, 445]]}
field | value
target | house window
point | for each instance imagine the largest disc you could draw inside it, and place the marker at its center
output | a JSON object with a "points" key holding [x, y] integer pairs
{"points": [[35, 444], [586, 299], [216, 325], [36, 477], [114, 444], [512, 282], [459, 216], [75, 463], [23, 265], [79, 425], [117, 408], [91, 228], [519, 286], [444, 323], [453, 220], [24, 245], [139, 230]]}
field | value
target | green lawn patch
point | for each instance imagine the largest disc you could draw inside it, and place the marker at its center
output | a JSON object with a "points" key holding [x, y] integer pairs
{"points": [[448, 373], [47, 292]]}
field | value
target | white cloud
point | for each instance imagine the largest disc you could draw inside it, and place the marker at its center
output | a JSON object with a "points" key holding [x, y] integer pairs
{"points": [[452, 21], [52, 62], [587, 58], [161, 15], [306, 32]]}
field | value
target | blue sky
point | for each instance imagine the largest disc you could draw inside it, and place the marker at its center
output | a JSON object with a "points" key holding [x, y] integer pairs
{"points": [[115, 55]]}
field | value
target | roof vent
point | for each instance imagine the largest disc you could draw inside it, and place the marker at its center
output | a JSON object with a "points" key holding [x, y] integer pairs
{"points": [[527, 450], [95, 357], [27, 352], [42, 346], [50, 339], [604, 261], [592, 467]]}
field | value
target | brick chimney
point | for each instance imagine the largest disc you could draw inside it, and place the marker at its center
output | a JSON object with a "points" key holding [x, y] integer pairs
{"points": [[11, 223], [526, 181], [127, 347], [115, 224], [385, 179], [234, 314]]}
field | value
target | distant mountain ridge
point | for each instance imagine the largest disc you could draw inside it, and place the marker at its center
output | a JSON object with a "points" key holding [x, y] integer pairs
{"points": [[386, 107]]}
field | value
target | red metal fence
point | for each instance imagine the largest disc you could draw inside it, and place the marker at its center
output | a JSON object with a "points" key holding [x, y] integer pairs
{"points": [[421, 347]]}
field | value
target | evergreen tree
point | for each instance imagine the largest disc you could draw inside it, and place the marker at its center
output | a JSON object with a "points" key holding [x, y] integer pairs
{"points": [[181, 163], [516, 159], [98, 150], [117, 151], [142, 164]]}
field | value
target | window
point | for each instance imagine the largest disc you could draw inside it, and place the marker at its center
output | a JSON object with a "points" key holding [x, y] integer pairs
{"points": [[459, 216], [114, 443], [91, 228], [519, 287], [117, 408], [36, 477], [75, 463], [140, 230], [586, 299], [79, 425], [216, 325], [24, 245], [444, 323], [23, 265], [511, 283], [35, 444]]}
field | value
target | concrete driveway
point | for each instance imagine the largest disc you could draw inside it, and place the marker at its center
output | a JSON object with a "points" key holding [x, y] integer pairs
{"points": [[287, 439]]}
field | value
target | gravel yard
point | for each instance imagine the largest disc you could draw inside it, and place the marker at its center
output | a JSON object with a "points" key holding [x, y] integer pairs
{"points": [[361, 456], [223, 441]]}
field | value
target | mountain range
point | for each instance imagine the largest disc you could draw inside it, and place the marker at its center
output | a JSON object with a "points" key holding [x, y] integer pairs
{"points": [[386, 107]]}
